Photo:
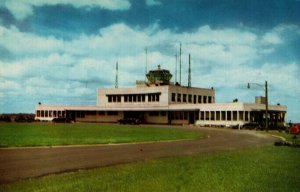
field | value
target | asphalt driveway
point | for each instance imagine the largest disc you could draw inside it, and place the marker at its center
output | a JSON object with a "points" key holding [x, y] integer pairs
{"points": [[22, 163]]}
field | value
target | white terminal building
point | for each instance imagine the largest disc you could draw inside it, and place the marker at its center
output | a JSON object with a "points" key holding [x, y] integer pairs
{"points": [[158, 101]]}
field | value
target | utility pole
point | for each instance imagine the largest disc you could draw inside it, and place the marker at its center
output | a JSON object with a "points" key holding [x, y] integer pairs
{"points": [[265, 86], [175, 68], [267, 106]]}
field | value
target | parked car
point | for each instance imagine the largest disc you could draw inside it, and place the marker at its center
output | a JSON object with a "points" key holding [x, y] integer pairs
{"points": [[135, 121], [251, 126], [24, 118]]}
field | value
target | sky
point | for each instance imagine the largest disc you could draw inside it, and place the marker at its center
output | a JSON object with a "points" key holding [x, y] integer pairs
{"points": [[60, 51]]}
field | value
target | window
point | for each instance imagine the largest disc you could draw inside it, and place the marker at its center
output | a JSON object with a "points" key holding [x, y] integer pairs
{"points": [[206, 115], [139, 98], [190, 98], [109, 98], [185, 115], [223, 115], [125, 98], [134, 98], [80, 114], [212, 115], [228, 115], [234, 116], [119, 98], [90, 112], [173, 97], [195, 98], [130, 98], [143, 98], [163, 113], [218, 115], [199, 99], [46, 113], [241, 115], [209, 99], [112, 113], [178, 97], [246, 116], [152, 97], [202, 115], [184, 98], [101, 113], [50, 113], [54, 113], [157, 97], [38, 113], [204, 99], [153, 113]]}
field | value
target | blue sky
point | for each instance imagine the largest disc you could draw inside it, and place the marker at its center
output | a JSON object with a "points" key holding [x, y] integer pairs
{"points": [[61, 51]]}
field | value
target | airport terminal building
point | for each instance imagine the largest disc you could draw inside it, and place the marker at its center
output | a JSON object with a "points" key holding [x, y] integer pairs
{"points": [[158, 101]]}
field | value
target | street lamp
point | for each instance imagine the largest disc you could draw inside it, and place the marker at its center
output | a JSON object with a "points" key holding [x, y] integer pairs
{"points": [[265, 86]]}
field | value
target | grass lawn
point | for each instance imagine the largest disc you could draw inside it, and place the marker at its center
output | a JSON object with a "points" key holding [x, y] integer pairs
{"points": [[258, 169], [48, 134], [287, 136]]}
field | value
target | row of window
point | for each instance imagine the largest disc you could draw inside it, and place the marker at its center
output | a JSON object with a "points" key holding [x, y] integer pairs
{"points": [[47, 113], [151, 97], [189, 98], [82, 114], [79, 114], [157, 113], [224, 115]]}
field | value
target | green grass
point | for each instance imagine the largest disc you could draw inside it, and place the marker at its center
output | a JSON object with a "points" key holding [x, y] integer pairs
{"points": [[287, 136], [49, 134], [259, 169]]}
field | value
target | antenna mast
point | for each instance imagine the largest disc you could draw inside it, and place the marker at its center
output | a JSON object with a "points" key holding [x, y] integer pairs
{"points": [[175, 68], [189, 77], [146, 63], [117, 69], [180, 64]]}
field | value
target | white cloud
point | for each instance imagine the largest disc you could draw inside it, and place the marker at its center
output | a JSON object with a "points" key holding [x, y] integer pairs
{"points": [[74, 68], [25, 43], [22, 9], [271, 38]]}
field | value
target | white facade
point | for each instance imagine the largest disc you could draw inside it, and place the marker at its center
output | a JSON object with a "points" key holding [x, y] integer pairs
{"points": [[165, 104]]}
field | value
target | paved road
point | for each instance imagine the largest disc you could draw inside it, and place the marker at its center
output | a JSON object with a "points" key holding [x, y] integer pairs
{"points": [[16, 164]]}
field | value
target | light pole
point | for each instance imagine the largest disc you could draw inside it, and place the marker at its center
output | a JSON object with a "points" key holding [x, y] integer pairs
{"points": [[265, 86]]}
